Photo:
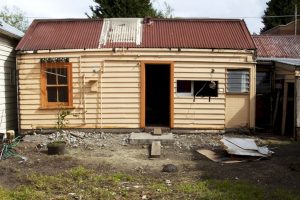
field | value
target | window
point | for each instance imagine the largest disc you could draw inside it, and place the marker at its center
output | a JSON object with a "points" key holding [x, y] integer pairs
{"points": [[238, 81], [206, 88], [197, 88], [56, 85], [184, 88]]}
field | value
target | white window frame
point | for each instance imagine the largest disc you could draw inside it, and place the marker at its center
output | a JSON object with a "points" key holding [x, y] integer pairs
{"points": [[245, 86]]}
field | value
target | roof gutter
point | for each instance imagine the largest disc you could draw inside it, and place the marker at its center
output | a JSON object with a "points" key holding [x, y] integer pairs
{"points": [[246, 51]]}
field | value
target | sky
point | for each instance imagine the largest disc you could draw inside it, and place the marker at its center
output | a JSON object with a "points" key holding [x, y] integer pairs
{"points": [[250, 10]]}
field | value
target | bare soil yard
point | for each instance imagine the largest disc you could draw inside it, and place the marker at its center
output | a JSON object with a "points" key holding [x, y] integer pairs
{"points": [[107, 154]]}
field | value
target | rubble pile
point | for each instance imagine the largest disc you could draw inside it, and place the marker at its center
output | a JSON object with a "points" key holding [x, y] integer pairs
{"points": [[75, 139]]}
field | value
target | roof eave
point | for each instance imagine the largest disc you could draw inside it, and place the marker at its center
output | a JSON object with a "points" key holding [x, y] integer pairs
{"points": [[9, 34]]}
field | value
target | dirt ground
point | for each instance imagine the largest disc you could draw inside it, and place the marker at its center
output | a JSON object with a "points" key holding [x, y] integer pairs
{"points": [[107, 153]]}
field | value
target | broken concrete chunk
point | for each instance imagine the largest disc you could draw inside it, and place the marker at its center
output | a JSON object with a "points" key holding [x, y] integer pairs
{"points": [[157, 131], [10, 134], [155, 149]]}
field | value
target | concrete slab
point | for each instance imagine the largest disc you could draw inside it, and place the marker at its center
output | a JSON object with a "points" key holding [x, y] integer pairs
{"points": [[147, 138], [155, 149]]}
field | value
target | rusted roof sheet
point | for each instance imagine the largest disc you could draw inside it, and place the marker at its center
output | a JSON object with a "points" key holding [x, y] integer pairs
{"points": [[277, 46], [197, 33], [156, 33], [61, 34]]}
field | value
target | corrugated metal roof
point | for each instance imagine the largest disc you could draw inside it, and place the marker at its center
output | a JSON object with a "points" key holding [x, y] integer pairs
{"points": [[156, 33], [10, 31], [288, 61], [277, 46], [197, 33], [62, 34]]}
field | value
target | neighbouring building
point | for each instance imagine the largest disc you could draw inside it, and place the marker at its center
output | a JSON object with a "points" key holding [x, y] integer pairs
{"points": [[286, 29], [278, 86], [137, 73], [9, 38]]}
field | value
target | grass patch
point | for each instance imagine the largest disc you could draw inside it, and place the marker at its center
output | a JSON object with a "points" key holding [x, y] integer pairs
{"points": [[82, 183]]}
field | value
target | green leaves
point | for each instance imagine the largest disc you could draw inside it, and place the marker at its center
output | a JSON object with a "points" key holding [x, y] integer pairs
{"points": [[279, 8], [124, 8], [14, 17]]}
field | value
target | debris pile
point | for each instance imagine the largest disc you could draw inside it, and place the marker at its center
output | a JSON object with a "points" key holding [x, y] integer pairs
{"points": [[244, 147], [191, 141], [237, 149], [76, 139]]}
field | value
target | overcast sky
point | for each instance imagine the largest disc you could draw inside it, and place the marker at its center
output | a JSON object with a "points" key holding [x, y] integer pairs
{"points": [[250, 10]]}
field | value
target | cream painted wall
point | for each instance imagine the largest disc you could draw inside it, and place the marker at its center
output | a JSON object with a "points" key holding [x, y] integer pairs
{"points": [[115, 103]]}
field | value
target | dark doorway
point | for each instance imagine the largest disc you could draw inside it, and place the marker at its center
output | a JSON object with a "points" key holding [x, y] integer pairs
{"points": [[289, 121], [264, 101], [157, 95]]}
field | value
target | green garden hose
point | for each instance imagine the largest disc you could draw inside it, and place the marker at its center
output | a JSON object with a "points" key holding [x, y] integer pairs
{"points": [[8, 149]]}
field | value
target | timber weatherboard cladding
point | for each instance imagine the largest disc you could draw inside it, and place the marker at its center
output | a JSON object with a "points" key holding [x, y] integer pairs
{"points": [[119, 85], [8, 92]]}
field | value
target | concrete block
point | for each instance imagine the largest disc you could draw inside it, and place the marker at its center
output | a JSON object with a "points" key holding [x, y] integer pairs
{"points": [[157, 131], [10, 134], [147, 138], [155, 149]]}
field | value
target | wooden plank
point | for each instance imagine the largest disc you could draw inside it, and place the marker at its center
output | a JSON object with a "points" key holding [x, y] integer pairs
{"points": [[284, 106], [199, 106], [199, 100], [200, 126], [199, 76], [201, 111], [172, 95], [142, 95], [198, 117], [199, 122]]}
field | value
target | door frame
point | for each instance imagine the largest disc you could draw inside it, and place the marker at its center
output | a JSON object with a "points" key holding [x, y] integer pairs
{"points": [[143, 90]]}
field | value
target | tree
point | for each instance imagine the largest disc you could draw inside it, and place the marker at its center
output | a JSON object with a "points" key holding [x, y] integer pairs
{"points": [[14, 17], [124, 8], [279, 8]]}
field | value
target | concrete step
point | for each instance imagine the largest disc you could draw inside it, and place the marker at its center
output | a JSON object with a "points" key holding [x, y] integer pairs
{"points": [[155, 149], [148, 138]]}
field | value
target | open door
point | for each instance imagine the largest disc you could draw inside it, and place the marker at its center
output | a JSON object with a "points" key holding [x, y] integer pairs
{"points": [[157, 92]]}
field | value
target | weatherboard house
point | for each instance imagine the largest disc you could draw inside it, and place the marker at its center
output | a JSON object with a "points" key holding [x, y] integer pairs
{"points": [[9, 38], [278, 83], [137, 73]]}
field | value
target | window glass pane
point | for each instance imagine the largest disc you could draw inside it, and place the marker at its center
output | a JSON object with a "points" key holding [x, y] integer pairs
{"points": [[238, 81], [52, 94], [63, 94], [184, 86], [62, 75], [56, 84], [51, 76]]}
